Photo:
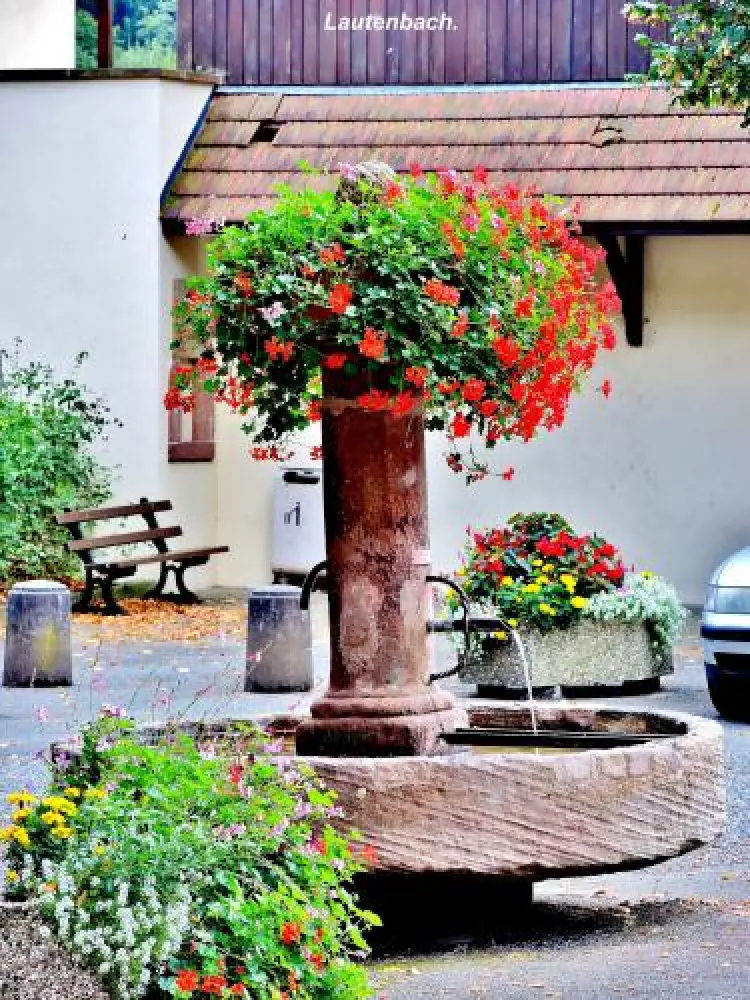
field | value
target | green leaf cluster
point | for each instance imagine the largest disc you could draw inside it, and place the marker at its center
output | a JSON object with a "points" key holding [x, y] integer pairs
{"points": [[48, 427], [707, 54]]}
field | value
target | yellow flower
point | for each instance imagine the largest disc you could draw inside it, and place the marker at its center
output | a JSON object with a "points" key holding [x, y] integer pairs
{"points": [[95, 793], [99, 850], [21, 837], [513, 622], [531, 588], [20, 798], [541, 578], [568, 580], [537, 562], [20, 815], [463, 571], [59, 804], [499, 635], [62, 831], [548, 568], [72, 793], [11, 876], [547, 610], [53, 818], [579, 602], [647, 574], [7, 833], [507, 581]]}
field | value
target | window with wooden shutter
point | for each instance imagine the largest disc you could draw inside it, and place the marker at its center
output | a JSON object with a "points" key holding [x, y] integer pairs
{"points": [[191, 435]]}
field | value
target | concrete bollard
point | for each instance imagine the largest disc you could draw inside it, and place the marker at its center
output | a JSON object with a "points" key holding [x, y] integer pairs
{"points": [[279, 641], [37, 635]]}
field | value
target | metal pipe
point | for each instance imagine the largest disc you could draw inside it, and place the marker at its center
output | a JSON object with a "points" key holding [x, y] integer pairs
{"points": [[309, 583]]}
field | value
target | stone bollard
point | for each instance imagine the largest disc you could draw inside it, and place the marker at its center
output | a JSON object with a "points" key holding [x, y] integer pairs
{"points": [[279, 641], [37, 635]]}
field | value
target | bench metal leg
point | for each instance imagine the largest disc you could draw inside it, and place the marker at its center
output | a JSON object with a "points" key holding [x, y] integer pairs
{"points": [[156, 590], [186, 595], [111, 607], [84, 601]]}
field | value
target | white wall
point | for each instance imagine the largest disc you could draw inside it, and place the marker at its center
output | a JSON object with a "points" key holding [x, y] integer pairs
{"points": [[37, 34], [85, 265], [660, 468]]}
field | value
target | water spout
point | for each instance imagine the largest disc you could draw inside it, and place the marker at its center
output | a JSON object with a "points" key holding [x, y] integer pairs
{"points": [[527, 664]]}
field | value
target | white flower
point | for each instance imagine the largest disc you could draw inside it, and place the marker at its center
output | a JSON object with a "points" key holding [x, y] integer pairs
{"points": [[273, 312]]}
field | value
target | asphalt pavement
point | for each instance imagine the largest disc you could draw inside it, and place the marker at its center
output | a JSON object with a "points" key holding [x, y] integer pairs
{"points": [[674, 931]]}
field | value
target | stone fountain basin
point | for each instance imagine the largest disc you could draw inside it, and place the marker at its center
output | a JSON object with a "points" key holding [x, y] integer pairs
{"points": [[521, 815]]}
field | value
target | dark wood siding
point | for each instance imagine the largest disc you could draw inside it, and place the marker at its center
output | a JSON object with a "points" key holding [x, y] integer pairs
{"points": [[488, 41]]}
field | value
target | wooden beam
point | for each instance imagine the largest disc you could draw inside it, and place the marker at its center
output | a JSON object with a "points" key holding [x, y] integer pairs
{"points": [[104, 35], [627, 271]]}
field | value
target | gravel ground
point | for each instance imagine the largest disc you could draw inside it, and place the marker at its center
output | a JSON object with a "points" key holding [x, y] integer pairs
{"points": [[32, 967], [674, 931]]}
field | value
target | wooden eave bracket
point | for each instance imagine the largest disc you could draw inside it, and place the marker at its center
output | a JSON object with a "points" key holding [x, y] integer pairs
{"points": [[627, 272]]}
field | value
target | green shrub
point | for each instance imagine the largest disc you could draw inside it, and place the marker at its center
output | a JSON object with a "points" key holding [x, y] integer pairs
{"points": [[194, 869], [47, 427]]}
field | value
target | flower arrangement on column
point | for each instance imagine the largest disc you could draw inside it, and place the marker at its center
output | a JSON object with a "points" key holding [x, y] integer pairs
{"points": [[480, 305], [384, 305]]}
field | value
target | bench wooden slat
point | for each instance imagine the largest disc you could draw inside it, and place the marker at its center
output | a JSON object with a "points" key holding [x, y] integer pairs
{"points": [[107, 541], [103, 513], [174, 556]]}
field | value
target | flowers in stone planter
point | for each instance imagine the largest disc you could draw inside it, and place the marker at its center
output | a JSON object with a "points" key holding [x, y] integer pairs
{"points": [[644, 598], [479, 304], [192, 869], [536, 572]]}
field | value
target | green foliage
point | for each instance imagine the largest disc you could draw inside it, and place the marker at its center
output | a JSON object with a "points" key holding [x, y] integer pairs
{"points": [[86, 40], [144, 34], [210, 868], [47, 428], [707, 56], [479, 304]]}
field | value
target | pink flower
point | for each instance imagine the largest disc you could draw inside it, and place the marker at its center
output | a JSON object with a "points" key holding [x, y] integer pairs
{"points": [[200, 227], [348, 171]]}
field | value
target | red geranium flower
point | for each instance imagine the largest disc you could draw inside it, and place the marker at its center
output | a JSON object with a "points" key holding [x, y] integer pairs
{"points": [[509, 473], [460, 426], [334, 361], [440, 292], [333, 254], [243, 284], [317, 960], [235, 773], [605, 388], [290, 933], [340, 297], [372, 344], [473, 390], [238, 990], [187, 980], [416, 376], [276, 349], [213, 985], [460, 326]]}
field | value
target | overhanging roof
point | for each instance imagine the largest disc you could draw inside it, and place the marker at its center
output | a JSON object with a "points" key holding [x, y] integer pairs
{"points": [[625, 152]]}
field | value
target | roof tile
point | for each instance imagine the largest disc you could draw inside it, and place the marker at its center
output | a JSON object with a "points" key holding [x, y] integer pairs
{"points": [[626, 152]]}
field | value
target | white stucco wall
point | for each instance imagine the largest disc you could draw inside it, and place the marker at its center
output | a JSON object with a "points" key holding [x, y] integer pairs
{"points": [[659, 468], [37, 34], [85, 266]]}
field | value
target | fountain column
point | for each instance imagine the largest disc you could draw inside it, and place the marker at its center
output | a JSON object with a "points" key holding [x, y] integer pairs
{"points": [[375, 498]]}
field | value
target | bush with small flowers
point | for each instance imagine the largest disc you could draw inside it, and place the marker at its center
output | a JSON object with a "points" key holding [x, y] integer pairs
{"points": [[479, 304], [195, 870], [536, 572]]}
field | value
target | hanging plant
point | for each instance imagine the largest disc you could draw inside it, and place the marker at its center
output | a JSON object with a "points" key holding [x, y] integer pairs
{"points": [[480, 306]]}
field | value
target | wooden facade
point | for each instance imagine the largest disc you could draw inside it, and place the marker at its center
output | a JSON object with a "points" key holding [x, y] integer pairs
{"points": [[299, 42]]}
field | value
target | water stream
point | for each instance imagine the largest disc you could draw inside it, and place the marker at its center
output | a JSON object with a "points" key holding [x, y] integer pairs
{"points": [[527, 663]]}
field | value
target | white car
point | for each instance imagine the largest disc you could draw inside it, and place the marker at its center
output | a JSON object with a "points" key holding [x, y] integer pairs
{"points": [[725, 630]]}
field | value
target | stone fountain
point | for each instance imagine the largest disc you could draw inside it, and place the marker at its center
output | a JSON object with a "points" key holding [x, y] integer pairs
{"points": [[433, 809]]}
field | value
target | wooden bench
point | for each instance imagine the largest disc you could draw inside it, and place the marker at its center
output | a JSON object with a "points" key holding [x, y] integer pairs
{"points": [[103, 573]]}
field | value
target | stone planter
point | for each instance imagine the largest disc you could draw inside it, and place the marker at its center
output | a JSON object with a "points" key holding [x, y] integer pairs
{"points": [[589, 654]]}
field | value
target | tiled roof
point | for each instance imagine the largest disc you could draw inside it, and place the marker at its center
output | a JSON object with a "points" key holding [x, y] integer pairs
{"points": [[625, 152]]}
